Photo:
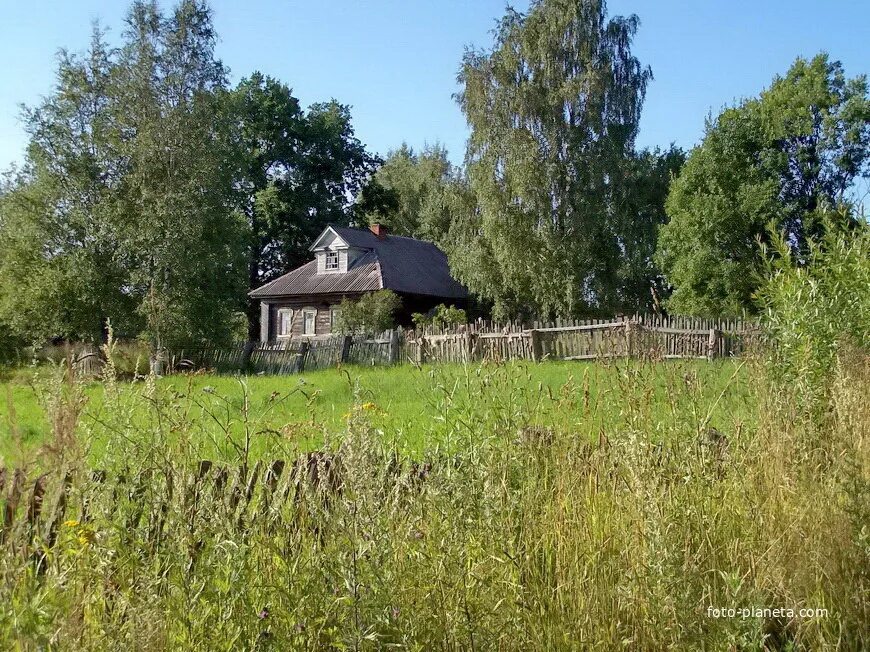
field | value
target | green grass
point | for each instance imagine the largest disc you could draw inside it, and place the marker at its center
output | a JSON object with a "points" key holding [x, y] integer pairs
{"points": [[414, 408], [565, 506]]}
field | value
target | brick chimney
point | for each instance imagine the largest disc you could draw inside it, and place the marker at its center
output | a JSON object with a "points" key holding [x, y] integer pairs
{"points": [[379, 230]]}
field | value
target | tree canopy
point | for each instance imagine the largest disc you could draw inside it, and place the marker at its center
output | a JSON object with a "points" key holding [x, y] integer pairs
{"points": [[553, 110], [768, 165], [295, 172], [153, 196], [407, 193], [123, 209]]}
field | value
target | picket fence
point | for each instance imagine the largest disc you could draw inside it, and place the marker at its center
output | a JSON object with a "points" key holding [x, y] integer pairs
{"points": [[640, 336]]}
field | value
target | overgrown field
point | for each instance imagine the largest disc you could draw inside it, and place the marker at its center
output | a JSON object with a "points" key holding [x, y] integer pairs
{"points": [[514, 507], [415, 408]]}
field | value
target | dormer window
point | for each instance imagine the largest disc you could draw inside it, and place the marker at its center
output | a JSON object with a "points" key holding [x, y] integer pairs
{"points": [[331, 261]]}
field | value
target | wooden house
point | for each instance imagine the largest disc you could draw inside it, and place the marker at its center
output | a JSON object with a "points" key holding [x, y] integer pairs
{"points": [[348, 263]]}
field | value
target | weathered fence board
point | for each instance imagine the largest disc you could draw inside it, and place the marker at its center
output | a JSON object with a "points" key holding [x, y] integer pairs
{"points": [[645, 336]]}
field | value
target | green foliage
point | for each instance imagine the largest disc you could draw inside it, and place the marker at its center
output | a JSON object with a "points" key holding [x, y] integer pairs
{"points": [[773, 161], [407, 193], [640, 197], [183, 240], [441, 316], [371, 313], [61, 271], [10, 345], [553, 110], [296, 172], [817, 309], [123, 211], [153, 197]]}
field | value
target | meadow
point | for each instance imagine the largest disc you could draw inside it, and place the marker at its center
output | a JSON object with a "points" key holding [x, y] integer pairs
{"points": [[495, 506], [413, 406]]}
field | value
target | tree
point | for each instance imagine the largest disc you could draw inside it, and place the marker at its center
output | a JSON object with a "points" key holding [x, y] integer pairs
{"points": [[770, 164], [124, 209], [553, 111], [406, 193], [181, 237], [295, 174], [60, 272], [638, 214]]}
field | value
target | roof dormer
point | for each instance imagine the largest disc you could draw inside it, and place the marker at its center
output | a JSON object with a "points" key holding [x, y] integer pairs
{"points": [[333, 254]]}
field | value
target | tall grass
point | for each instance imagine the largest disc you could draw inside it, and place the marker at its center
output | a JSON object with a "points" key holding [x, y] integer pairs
{"points": [[520, 537]]}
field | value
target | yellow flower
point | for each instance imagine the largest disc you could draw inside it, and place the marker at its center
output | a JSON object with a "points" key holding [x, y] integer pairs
{"points": [[86, 536], [71, 523], [369, 406]]}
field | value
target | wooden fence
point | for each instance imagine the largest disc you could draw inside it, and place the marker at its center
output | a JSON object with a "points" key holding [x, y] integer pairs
{"points": [[37, 509], [642, 336]]}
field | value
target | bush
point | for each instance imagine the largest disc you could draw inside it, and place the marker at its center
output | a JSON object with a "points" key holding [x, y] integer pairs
{"points": [[441, 316], [131, 358], [371, 313], [10, 345], [814, 307]]}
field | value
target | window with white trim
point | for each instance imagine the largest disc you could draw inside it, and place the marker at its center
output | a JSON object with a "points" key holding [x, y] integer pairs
{"points": [[309, 317], [334, 311], [285, 322], [331, 262]]}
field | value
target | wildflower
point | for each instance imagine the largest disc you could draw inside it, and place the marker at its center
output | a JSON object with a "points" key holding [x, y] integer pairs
{"points": [[369, 406], [86, 536], [264, 613], [71, 523]]}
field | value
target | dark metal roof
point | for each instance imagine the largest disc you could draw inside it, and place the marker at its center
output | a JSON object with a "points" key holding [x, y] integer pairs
{"points": [[394, 262]]}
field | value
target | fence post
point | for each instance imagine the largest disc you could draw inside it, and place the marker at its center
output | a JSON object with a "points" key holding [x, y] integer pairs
{"points": [[629, 338], [345, 348], [247, 352], [394, 346], [421, 343], [537, 345], [300, 357], [711, 343]]}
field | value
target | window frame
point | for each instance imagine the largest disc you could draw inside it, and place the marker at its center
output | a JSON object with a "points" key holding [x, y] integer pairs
{"points": [[326, 261], [306, 312], [281, 314]]}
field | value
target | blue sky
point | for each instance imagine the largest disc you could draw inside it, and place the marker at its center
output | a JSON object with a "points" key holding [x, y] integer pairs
{"points": [[395, 61]]}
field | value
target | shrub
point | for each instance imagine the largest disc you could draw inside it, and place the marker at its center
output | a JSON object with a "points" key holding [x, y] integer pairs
{"points": [[10, 345], [440, 317], [371, 313], [131, 358], [815, 306]]}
